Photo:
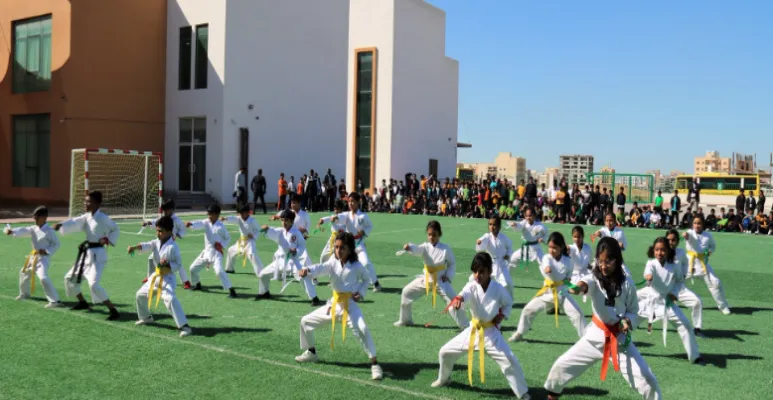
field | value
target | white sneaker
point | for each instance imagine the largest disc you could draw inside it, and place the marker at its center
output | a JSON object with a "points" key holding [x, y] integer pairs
{"points": [[185, 331], [306, 357], [22, 297], [53, 305], [438, 383], [517, 337], [376, 373], [726, 311], [144, 321], [401, 323]]}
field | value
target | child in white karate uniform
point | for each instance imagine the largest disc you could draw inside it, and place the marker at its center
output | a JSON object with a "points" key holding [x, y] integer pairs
{"points": [[700, 245], [610, 230], [168, 209], [349, 281], [500, 248], [166, 256], [664, 275], [302, 219], [92, 256], [581, 255], [615, 311], [216, 238], [534, 233], [439, 271], [358, 224], [249, 229], [292, 245], [336, 228], [489, 303], [44, 244], [556, 267]]}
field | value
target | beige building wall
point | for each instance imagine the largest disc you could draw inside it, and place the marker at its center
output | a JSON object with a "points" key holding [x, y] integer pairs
{"points": [[712, 162], [505, 166]]}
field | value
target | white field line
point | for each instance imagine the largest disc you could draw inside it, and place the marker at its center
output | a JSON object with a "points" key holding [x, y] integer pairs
{"points": [[174, 339]]}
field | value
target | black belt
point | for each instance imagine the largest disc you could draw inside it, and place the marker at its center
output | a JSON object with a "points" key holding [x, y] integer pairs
{"points": [[80, 260]]}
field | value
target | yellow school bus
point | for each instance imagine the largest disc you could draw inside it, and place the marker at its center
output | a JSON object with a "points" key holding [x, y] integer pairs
{"points": [[720, 184]]}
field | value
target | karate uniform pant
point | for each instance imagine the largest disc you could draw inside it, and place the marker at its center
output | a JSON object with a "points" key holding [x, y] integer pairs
{"points": [[252, 257], [495, 346], [167, 295], [92, 274], [362, 256], [714, 285], [152, 270], [590, 350], [535, 254], [279, 267], [694, 303], [321, 317], [216, 261], [327, 252], [417, 288], [538, 304], [41, 270]]}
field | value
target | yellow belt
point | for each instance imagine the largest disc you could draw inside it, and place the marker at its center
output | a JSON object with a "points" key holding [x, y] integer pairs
{"points": [[343, 299], [332, 241], [158, 275], [478, 329], [554, 289], [432, 272], [243, 249], [30, 263], [691, 256]]}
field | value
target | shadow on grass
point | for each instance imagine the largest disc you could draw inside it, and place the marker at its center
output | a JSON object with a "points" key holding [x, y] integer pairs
{"points": [[717, 360], [389, 290], [391, 276], [210, 331], [728, 334], [394, 371], [161, 317], [747, 310]]}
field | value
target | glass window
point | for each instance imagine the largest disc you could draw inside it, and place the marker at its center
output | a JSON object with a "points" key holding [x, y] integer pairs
{"points": [[199, 130], [202, 60], [184, 65], [32, 55], [364, 118], [186, 130], [31, 150]]}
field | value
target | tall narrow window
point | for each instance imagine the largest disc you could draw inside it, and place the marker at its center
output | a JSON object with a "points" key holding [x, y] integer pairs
{"points": [[184, 65], [202, 60], [32, 55], [364, 127], [31, 150]]}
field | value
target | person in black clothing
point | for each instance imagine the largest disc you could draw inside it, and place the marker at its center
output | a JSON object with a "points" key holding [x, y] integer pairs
{"points": [[621, 200], [329, 184], [740, 203], [676, 206], [761, 203], [751, 203], [258, 187], [531, 193]]}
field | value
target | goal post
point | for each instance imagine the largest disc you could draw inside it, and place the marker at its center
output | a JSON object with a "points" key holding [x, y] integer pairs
{"points": [[131, 181], [637, 187]]}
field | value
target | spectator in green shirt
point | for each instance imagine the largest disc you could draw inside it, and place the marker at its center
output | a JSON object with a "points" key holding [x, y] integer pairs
{"points": [[659, 203]]}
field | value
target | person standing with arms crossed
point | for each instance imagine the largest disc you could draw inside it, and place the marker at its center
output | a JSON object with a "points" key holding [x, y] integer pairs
{"points": [[258, 186]]}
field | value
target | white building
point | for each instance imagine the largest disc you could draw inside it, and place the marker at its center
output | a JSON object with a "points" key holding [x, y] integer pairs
{"points": [[256, 83], [402, 92]]}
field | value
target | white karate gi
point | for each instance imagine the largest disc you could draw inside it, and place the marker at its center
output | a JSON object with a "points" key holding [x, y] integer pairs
{"points": [[484, 305], [699, 244], [213, 233], [356, 222], [531, 234], [581, 261], [653, 309], [170, 253], [559, 271], [349, 278], [500, 248], [590, 348], [96, 227], [336, 228], [245, 246], [439, 255], [616, 234], [177, 231], [43, 238], [665, 280], [289, 242]]}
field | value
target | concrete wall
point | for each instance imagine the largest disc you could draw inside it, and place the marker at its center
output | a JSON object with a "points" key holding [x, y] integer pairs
{"points": [[106, 91]]}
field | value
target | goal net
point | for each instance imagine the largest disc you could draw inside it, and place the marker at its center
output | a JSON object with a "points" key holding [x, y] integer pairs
{"points": [[130, 181], [637, 187]]}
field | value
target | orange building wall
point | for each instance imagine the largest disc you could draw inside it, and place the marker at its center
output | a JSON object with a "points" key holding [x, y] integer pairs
{"points": [[107, 84]]}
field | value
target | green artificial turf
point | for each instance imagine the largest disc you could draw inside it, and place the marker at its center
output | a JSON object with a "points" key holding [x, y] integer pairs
{"points": [[243, 348]]}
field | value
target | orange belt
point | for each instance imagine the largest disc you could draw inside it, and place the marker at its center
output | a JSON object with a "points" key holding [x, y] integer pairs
{"points": [[610, 346]]}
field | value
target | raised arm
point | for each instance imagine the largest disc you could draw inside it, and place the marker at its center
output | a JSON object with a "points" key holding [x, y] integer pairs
{"points": [[77, 224], [22, 232]]}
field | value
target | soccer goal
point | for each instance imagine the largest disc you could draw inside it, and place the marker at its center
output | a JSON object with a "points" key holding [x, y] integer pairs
{"points": [[131, 181], [637, 187]]}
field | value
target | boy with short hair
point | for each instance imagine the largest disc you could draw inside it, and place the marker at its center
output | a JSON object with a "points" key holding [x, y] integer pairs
{"points": [[358, 224], [168, 209], [249, 230], [92, 256], [44, 244], [216, 237], [166, 256]]}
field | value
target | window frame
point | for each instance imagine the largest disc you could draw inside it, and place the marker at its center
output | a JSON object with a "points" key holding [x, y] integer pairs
{"points": [[42, 180], [23, 85]]}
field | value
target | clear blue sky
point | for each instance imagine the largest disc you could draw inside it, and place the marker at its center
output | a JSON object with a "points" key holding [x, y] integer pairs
{"points": [[662, 81]]}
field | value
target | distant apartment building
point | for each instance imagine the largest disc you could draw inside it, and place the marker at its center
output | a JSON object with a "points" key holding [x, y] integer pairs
{"points": [[575, 167], [712, 162], [505, 166]]}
